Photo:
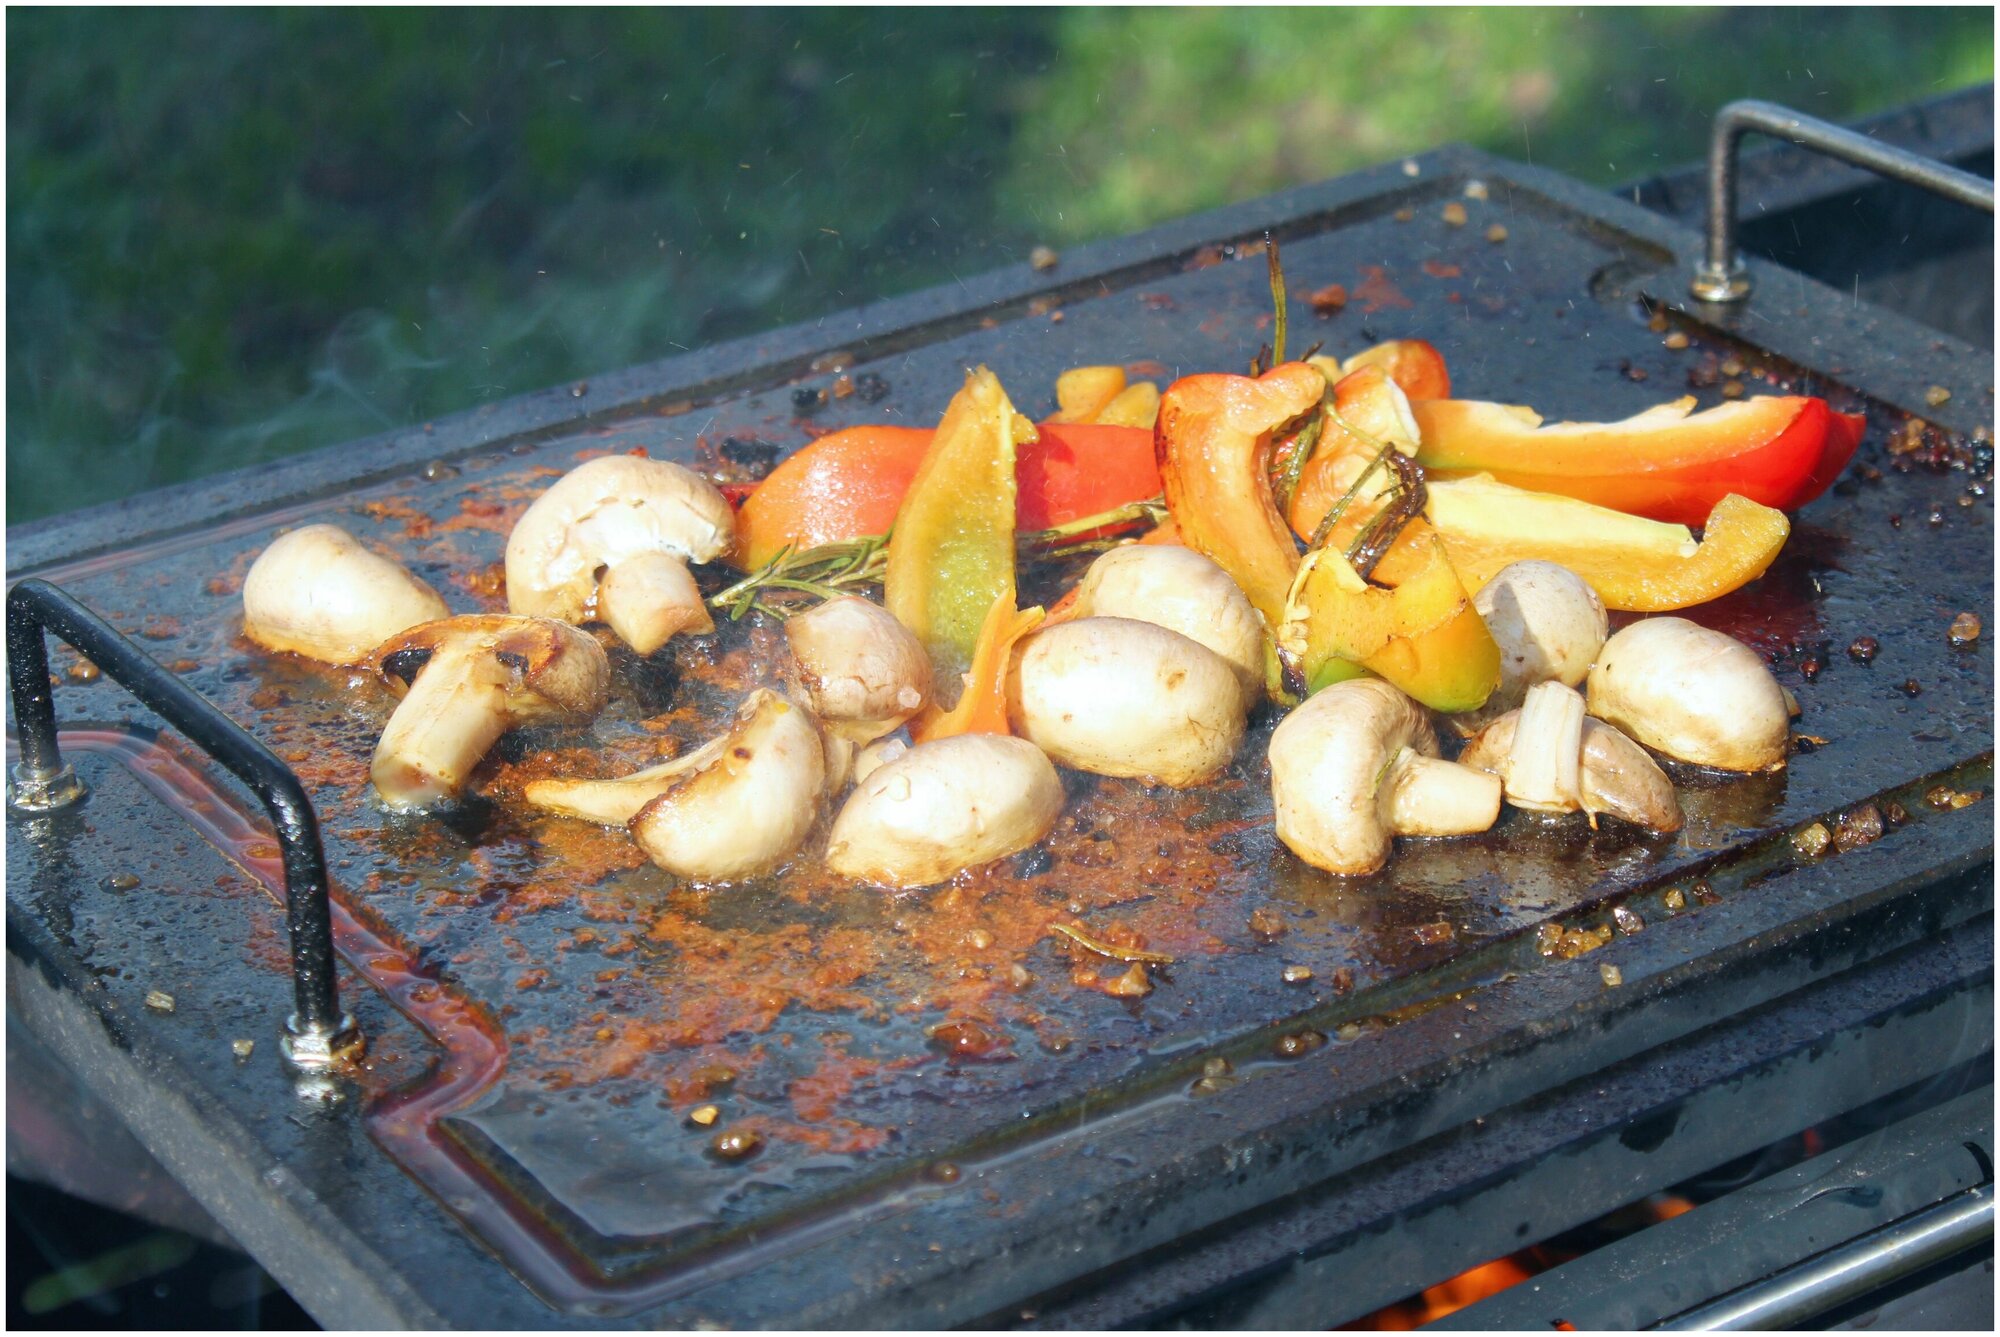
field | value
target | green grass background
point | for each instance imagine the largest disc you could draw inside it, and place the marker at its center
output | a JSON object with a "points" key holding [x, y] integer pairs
{"points": [[238, 234]]}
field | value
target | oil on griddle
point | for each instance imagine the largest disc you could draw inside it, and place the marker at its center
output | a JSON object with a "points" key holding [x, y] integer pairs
{"points": [[685, 1063]]}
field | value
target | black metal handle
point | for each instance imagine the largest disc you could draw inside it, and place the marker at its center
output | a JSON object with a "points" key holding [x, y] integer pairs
{"points": [[1721, 276], [318, 1034]]}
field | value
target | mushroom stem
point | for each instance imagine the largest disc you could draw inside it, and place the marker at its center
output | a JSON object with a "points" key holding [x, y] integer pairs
{"points": [[454, 712], [1424, 796], [650, 598], [1544, 769]]}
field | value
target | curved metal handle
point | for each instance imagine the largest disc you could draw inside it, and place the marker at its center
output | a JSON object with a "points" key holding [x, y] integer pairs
{"points": [[1721, 276], [317, 1034]]}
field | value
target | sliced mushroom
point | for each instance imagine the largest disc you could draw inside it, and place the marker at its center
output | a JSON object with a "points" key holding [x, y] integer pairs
{"points": [[1181, 590], [318, 592], [1692, 693], [1119, 697], [1356, 765], [743, 807], [1611, 773], [566, 557], [1549, 624], [467, 680], [943, 806], [860, 669], [617, 801]]}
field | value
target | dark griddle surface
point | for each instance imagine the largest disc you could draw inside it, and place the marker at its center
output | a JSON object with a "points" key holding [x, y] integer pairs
{"points": [[536, 1035]]}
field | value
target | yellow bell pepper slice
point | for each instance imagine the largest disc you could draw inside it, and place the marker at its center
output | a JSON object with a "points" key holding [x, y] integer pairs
{"points": [[1423, 637], [951, 553], [1635, 565]]}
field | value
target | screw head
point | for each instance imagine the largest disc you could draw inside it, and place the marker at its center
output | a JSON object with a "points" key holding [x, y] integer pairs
{"points": [[45, 791], [1720, 283]]}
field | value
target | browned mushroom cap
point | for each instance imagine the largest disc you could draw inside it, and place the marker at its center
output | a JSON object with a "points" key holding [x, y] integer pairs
{"points": [[467, 680]]}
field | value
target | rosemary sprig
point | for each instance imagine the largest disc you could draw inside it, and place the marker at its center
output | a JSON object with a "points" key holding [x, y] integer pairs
{"points": [[1076, 935], [1285, 482], [1277, 271], [1406, 503], [851, 565], [824, 572]]}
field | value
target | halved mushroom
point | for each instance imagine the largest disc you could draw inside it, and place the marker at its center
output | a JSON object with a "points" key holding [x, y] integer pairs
{"points": [[860, 669], [745, 802], [943, 806], [1120, 697], [1181, 590], [1693, 694], [318, 592], [611, 541], [1356, 765], [467, 680], [1550, 757], [1549, 624]]}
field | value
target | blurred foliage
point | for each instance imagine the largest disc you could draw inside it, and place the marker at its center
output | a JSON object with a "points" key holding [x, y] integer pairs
{"points": [[238, 234], [1154, 113]]}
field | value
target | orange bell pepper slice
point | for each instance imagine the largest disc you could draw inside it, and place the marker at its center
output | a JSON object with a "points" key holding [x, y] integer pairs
{"points": [[983, 707], [1370, 411], [1214, 440], [1635, 565], [849, 484], [1414, 365], [1668, 463], [1424, 636], [846, 485]]}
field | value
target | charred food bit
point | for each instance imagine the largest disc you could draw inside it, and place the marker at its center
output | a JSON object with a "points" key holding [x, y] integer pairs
{"points": [[1692, 693], [1356, 765], [1119, 697], [467, 680], [611, 542], [318, 592], [1553, 759], [944, 806]]}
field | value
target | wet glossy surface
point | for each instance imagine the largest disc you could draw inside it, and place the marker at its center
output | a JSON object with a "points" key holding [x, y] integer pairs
{"points": [[582, 1004]]}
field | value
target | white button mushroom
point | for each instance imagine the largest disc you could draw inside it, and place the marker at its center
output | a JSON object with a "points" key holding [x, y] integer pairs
{"points": [[1549, 624], [879, 753], [467, 680], [747, 805], [1181, 590], [1120, 697], [1551, 758], [861, 669], [943, 806], [318, 592], [1692, 693], [1356, 765], [567, 556]]}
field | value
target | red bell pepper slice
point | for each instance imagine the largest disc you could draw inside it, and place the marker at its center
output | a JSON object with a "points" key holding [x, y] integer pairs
{"points": [[1667, 463]]}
